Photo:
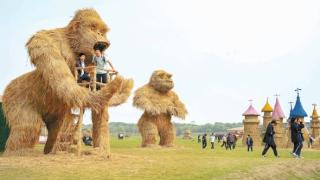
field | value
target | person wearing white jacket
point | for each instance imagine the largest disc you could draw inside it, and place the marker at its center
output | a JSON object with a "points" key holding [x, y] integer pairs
{"points": [[212, 139]]}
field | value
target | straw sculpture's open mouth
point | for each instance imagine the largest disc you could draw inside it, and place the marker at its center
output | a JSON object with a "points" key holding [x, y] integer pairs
{"points": [[101, 45]]}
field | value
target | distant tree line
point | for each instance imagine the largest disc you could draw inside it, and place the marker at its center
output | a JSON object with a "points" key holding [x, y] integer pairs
{"points": [[132, 129], [206, 128]]}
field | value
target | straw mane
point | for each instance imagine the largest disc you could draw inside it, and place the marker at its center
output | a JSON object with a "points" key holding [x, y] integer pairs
{"points": [[156, 103]]}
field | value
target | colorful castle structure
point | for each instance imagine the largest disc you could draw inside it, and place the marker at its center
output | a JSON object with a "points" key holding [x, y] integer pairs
{"points": [[279, 129], [267, 114], [282, 132], [315, 127], [251, 125]]}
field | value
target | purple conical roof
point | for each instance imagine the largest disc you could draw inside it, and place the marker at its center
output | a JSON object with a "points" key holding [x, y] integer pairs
{"points": [[251, 111], [277, 112]]}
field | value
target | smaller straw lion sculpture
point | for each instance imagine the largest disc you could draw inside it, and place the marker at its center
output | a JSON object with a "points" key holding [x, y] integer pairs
{"points": [[159, 103]]}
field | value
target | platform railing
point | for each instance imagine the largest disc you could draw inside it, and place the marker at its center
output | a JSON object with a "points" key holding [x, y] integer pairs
{"points": [[92, 71]]}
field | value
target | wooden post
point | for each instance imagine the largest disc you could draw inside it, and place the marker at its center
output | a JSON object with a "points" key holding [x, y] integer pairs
{"points": [[108, 76], [76, 74], [94, 79], [79, 143], [108, 152]]}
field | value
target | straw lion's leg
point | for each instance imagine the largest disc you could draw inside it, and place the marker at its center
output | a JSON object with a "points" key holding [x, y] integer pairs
{"points": [[100, 127], [167, 134], [25, 127], [148, 131], [53, 124]]}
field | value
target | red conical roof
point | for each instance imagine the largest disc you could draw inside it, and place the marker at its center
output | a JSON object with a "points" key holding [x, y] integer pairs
{"points": [[277, 113]]}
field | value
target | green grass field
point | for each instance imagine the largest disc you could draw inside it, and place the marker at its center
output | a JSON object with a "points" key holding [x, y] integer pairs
{"points": [[185, 161]]}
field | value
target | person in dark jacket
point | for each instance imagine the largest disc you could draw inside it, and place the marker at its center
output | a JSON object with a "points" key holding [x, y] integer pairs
{"points": [[249, 143], [269, 139], [204, 141], [297, 136], [234, 141], [82, 73], [292, 121], [230, 141]]}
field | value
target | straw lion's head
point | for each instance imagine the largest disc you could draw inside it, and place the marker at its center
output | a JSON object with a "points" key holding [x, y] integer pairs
{"points": [[88, 30], [161, 81]]}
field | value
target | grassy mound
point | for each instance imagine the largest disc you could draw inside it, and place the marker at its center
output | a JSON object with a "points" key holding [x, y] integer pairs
{"points": [[185, 161]]}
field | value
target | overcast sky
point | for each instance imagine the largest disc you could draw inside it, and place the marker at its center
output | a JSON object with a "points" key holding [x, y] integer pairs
{"points": [[221, 53]]}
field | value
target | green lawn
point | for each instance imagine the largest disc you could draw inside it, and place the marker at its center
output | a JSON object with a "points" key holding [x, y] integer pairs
{"points": [[185, 161]]}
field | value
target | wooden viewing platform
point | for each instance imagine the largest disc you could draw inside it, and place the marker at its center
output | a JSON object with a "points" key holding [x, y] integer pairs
{"points": [[70, 130]]}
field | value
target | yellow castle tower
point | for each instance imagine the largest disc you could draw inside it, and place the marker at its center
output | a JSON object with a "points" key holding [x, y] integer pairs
{"points": [[315, 126], [267, 114]]}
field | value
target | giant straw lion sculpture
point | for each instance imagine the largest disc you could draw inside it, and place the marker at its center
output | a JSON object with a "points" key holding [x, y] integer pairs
{"points": [[48, 93]]}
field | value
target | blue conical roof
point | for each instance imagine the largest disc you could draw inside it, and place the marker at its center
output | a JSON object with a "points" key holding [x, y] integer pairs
{"points": [[298, 110], [290, 115]]}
